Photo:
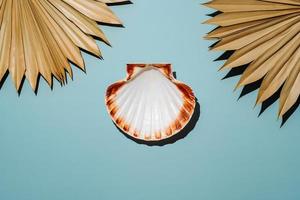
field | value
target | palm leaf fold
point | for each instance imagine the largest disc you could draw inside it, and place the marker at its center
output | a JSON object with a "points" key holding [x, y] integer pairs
{"points": [[263, 35], [42, 37]]}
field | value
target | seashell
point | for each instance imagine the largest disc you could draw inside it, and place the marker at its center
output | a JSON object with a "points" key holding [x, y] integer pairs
{"points": [[150, 104]]}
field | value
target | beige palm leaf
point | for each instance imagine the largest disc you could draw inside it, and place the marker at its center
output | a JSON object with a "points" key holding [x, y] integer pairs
{"points": [[265, 36], [42, 37]]}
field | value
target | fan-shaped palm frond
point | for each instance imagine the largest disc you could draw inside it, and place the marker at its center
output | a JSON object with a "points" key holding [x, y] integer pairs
{"points": [[42, 37], [265, 36]]}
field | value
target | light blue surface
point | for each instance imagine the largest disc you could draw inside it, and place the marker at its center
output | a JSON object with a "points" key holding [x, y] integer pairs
{"points": [[62, 145]]}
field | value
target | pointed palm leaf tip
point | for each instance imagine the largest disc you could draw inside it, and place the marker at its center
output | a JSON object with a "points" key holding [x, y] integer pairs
{"points": [[43, 37], [265, 36]]}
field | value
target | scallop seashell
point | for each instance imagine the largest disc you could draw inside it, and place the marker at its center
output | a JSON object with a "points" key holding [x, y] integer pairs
{"points": [[150, 104]]}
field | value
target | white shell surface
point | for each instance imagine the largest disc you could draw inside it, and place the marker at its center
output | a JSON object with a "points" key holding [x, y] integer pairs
{"points": [[149, 103]]}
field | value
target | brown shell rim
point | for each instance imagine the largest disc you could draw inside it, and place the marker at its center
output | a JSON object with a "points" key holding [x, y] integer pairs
{"points": [[182, 120]]}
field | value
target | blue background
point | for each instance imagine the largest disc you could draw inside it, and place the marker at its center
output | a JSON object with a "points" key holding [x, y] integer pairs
{"points": [[61, 144]]}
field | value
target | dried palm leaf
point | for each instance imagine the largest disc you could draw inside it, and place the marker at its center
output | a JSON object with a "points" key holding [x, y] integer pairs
{"points": [[263, 35], [42, 37]]}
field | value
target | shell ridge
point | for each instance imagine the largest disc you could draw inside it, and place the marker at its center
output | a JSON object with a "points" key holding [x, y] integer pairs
{"points": [[124, 110], [177, 96], [173, 113], [133, 108], [140, 112], [128, 101], [165, 112]]}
